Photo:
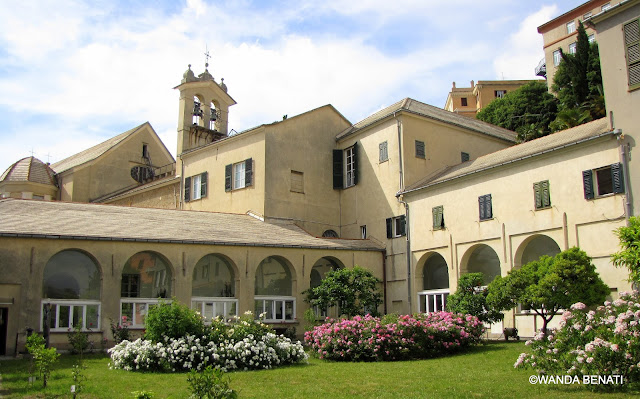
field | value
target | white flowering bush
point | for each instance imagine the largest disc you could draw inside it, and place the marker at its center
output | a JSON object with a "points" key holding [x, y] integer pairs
{"points": [[241, 344], [605, 341]]}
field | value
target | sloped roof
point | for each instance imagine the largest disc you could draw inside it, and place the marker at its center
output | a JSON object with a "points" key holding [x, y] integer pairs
{"points": [[94, 152], [518, 152], [29, 169], [165, 181], [431, 112], [25, 218]]}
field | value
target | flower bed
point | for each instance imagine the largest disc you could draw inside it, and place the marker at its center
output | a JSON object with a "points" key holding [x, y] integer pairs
{"points": [[243, 344], [405, 337], [601, 342]]}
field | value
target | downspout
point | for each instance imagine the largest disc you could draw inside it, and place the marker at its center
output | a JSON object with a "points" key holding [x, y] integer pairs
{"points": [[406, 213], [624, 149], [384, 280]]}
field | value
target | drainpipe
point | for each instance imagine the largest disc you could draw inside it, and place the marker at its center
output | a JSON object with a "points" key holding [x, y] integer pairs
{"points": [[624, 149], [406, 214], [384, 280]]}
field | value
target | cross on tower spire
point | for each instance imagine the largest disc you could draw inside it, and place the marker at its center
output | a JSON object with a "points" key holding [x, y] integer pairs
{"points": [[206, 56]]}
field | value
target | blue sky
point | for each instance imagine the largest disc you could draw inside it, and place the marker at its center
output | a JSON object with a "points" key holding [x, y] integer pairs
{"points": [[74, 73]]}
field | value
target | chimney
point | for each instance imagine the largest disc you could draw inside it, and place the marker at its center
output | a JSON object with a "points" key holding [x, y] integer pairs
{"points": [[454, 85], [472, 83]]}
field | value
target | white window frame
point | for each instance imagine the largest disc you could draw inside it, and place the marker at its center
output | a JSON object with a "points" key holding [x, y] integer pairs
{"points": [[395, 226], [238, 177], [199, 304], [573, 48], [605, 7], [596, 182], [586, 16], [591, 38], [55, 311], [429, 299], [571, 27], [349, 167], [196, 187], [557, 57], [147, 302], [276, 301]]}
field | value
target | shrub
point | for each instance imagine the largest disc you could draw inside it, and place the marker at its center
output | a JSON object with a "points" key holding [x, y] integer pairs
{"points": [[403, 337], [173, 320], [120, 331], [210, 384], [42, 357], [605, 341], [471, 298], [78, 339]]}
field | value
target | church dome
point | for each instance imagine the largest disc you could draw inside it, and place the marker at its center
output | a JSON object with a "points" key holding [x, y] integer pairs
{"points": [[29, 169]]}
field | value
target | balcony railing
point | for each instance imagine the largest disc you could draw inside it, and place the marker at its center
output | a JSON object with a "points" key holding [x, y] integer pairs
{"points": [[541, 69], [433, 300]]}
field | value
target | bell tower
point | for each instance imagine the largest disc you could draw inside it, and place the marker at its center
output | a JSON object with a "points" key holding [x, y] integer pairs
{"points": [[203, 111]]}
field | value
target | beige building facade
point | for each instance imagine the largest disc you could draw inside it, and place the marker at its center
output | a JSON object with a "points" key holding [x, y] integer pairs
{"points": [[468, 101]]}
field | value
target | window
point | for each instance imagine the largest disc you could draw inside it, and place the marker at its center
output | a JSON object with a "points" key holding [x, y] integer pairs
{"points": [[130, 287], [603, 181], [145, 151], [632, 45], [605, 7], [238, 175], [557, 57], [571, 27], [438, 218], [363, 232], [330, 234], [500, 93], [384, 152], [195, 187], [273, 291], [464, 156], [586, 16], [349, 167], [297, 181], [541, 194], [396, 227], [573, 47], [485, 208], [463, 101], [592, 38], [420, 149]]}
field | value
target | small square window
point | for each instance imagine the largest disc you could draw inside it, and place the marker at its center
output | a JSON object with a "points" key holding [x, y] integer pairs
{"points": [[500, 93], [557, 57], [420, 149], [573, 48], [363, 232], [384, 152], [464, 157], [297, 181], [571, 27], [463, 101]]}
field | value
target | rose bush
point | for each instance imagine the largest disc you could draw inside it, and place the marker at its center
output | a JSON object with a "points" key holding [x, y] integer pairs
{"points": [[604, 341], [370, 338]]}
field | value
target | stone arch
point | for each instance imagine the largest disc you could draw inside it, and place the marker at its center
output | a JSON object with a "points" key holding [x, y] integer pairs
{"points": [[274, 290], [320, 269], [197, 114], [72, 274], [155, 274], [214, 275], [533, 248], [433, 282], [481, 258]]}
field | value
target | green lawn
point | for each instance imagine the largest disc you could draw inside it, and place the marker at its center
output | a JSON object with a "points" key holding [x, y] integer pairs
{"points": [[483, 372]]}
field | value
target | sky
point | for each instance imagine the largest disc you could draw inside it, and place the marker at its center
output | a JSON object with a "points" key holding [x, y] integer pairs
{"points": [[74, 73]]}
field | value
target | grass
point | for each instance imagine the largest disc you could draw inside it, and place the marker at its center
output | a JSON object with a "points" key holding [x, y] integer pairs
{"points": [[485, 371]]}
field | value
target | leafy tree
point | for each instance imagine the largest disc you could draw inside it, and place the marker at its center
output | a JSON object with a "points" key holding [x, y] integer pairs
{"points": [[471, 298], [629, 257], [355, 291], [173, 320], [549, 284], [527, 111], [578, 83], [43, 357]]}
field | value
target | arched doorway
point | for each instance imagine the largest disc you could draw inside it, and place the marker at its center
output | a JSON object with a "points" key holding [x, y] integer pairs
{"points": [[318, 273], [482, 259], [534, 247], [435, 284], [274, 290], [146, 277], [71, 292], [213, 287]]}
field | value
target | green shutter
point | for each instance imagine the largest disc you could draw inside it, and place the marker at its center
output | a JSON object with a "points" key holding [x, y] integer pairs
{"points": [[355, 163], [546, 196], [632, 47], [389, 228], [481, 207], [537, 192], [338, 178], [438, 219], [187, 189], [488, 206], [617, 178], [403, 226], [227, 177], [587, 182], [203, 184], [248, 172]]}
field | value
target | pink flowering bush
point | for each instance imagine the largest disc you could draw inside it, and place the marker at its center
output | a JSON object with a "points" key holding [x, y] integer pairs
{"points": [[370, 338], [605, 341]]}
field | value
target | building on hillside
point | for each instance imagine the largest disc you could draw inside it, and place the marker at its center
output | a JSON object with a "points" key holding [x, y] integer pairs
{"points": [[468, 101], [561, 33]]}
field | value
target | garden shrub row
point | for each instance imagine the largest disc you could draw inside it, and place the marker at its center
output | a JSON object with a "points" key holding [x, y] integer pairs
{"points": [[371, 338], [604, 341]]}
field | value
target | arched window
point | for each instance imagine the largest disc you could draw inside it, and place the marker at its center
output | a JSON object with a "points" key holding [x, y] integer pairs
{"points": [[318, 273], [435, 284], [536, 247], [71, 291], [145, 277], [483, 259], [273, 290], [213, 287], [198, 112], [213, 117], [330, 234]]}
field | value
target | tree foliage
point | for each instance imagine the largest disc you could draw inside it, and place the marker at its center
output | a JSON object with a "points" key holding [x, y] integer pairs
{"points": [[355, 291], [471, 298], [173, 320], [528, 111], [578, 83], [549, 284], [629, 256]]}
